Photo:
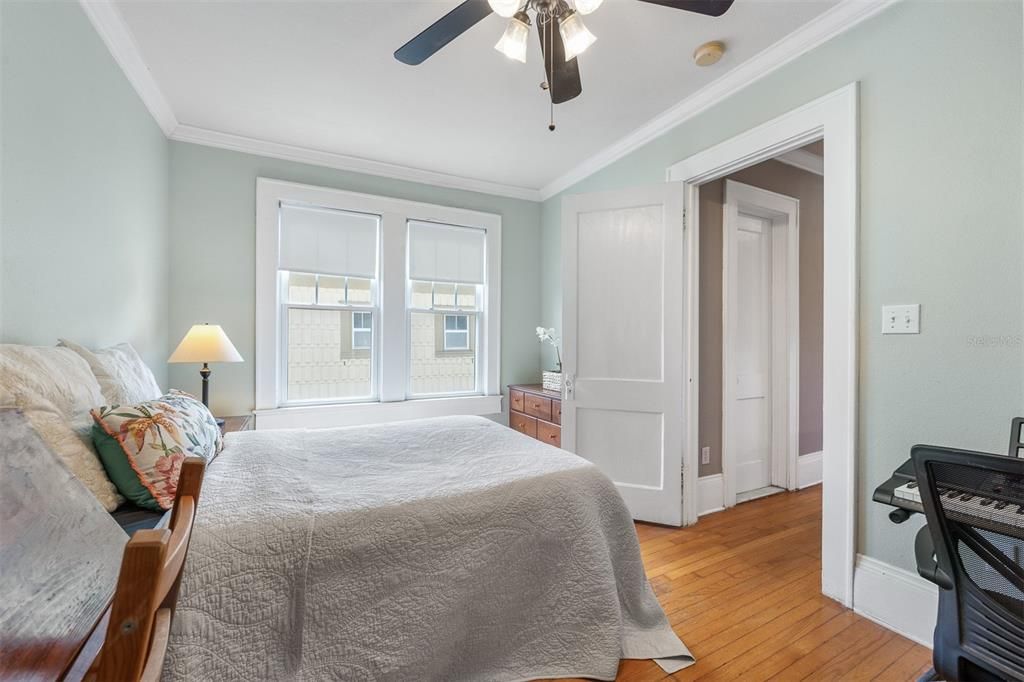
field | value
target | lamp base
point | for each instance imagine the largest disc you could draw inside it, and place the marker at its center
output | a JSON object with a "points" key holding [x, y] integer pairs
{"points": [[205, 374]]}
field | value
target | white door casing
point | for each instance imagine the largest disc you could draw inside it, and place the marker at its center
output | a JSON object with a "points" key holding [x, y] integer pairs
{"points": [[832, 117], [761, 340], [622, 320]]}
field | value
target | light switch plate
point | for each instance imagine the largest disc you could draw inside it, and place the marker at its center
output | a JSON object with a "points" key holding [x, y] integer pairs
{"points": [[901, 319], [705, 455]]}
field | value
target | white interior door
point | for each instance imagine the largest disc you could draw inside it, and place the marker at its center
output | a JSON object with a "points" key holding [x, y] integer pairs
{"points": [[760, 340], [622, 310], [750, 432]]}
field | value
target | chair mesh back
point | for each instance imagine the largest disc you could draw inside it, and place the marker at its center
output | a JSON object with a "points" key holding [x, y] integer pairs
{"points": [[983, 513], [987, 578]]}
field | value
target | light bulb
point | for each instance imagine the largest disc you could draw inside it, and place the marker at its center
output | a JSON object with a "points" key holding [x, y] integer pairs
{"points": [[513, 42], [587, 6], [575, 35], [504, 8]]}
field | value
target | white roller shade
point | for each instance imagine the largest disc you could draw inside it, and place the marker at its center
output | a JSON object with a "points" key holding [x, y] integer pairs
{"points": [[446, 253], [328, 242]]}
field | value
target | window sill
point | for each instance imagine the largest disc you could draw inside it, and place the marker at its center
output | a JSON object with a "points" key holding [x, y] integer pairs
{"points": [[355, 414]]}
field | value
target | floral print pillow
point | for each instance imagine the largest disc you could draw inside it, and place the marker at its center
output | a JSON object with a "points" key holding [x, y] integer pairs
{"points": [[142, 446]]}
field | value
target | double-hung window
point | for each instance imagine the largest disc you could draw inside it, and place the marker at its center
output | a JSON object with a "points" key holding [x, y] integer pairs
{"points": [[446, 280], [327, 277], [367, 305]]}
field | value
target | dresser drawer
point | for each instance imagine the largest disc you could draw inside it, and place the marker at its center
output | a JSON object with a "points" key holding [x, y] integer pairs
{"points": [[516, 400], [549, 433], [556, 411], [538, 407], [523, 424]]}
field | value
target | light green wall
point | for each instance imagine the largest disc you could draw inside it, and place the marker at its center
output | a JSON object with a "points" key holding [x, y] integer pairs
{"points": [[212, 256], [940, 224], [84, 182]]}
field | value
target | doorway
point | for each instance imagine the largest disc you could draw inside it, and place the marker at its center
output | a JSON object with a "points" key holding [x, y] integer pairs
{"points": [[832, 118]]}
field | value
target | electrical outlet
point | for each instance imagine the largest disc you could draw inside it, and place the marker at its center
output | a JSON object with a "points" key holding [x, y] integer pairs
{"points": [[705, 455], [901, 319]]}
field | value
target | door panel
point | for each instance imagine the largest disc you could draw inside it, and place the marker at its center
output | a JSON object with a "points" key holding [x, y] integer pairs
{"points": [[620, 293], [608, 437], [623, 264]]}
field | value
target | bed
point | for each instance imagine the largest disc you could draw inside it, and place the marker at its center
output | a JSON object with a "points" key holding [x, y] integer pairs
{"points": [[445, 549], [439, 549]]}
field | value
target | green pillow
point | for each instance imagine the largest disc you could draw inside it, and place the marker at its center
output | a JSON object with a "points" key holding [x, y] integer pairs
{"points": [[142, 446]]}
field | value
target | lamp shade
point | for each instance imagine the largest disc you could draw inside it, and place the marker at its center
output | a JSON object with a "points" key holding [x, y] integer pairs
{"points": [[205, 343]]}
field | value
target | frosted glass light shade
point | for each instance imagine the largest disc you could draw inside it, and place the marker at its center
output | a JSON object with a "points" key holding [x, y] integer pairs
{"points": [[575, 35], [513, 42], [587, 6], [504, 8], [205, 343]]}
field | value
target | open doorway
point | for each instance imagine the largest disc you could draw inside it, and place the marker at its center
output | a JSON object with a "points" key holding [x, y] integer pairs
{"points": [[761, 317], [833, 119]]}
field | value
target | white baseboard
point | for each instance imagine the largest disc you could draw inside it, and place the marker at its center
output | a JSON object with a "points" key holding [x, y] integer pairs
{"points": [[896, 599], [808, 470], [710, 494]]}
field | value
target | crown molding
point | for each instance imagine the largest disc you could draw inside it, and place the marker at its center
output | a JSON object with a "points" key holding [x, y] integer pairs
{"points": [[110, 25], [113, 30], [838, 20], [804, 160], [287, 152]]}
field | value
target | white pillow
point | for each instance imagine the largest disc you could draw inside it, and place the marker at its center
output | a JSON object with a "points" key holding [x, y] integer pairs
{"points": [[123, 377], [55, 389]]}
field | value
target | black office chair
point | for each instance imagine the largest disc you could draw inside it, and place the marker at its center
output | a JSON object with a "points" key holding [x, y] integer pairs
{"points": [[973, 549], [1017, 437]]}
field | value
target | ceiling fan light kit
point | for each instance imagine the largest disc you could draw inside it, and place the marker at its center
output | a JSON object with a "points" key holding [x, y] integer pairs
{"points": [[513, 42], [560, 48], [505, 8], [587, 6], [575, 35]]}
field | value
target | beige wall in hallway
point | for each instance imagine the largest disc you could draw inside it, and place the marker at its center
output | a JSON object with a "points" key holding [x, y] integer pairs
{"points": [[807, 187]]}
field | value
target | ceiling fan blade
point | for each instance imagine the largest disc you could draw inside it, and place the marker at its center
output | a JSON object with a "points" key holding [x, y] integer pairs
{"points": [[712, 8], [443, 31], [564, 80]]}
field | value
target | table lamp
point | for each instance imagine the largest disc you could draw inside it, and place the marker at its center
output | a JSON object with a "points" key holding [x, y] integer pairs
{"points": [[205, 343]]}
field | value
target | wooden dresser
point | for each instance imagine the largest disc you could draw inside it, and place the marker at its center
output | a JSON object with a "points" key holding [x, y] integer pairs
{"points": [[536, 412]]}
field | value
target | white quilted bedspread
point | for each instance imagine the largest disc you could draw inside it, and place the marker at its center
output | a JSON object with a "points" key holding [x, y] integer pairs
{"points": [[439, 549]]}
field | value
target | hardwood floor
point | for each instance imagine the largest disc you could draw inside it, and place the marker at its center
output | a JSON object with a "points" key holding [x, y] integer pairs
{"points": [[743, 589]]}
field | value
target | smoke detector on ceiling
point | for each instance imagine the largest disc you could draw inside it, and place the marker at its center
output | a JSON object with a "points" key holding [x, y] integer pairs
{"points": [[709, 53]]}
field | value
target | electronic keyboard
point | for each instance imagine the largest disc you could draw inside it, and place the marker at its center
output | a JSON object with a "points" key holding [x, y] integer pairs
{"points": [[990, 500]]}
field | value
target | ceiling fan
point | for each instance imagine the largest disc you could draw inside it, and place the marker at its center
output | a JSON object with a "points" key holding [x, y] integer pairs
{"points": [[560, 47]]}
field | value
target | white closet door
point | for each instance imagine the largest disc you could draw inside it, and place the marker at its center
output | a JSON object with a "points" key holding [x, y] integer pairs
{"points": [[622, 258], [751, 424]]}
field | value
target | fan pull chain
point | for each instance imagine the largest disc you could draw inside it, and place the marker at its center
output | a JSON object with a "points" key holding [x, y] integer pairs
{"points": [[551, 71]]}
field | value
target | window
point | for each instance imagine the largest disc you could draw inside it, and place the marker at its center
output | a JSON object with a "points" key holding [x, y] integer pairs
{"points": [[446, 280], [327, 270], [362, 330], [456, 332], [373, 301]]}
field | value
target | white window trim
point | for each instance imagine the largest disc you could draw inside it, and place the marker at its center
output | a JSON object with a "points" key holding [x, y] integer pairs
{"points": [[393, 325]]}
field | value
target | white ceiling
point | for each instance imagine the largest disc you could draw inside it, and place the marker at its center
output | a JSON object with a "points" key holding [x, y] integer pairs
{"points": [[321, 75]]}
